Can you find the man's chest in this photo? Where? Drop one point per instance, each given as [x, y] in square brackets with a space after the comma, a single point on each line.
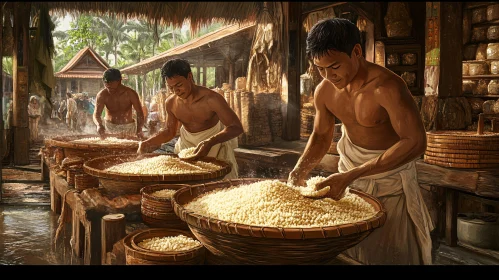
[360, 109]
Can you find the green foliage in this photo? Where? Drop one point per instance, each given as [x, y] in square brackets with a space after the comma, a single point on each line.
[7, 64]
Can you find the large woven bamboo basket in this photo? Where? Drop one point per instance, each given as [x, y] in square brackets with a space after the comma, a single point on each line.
[136, 255]
[233, 243]
[119, 183]
[158, 211]
[462, 149]
[89, 151]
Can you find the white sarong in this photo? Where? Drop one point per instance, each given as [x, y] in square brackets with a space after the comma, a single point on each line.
[222, 151]
[405, 236]
[127, 129]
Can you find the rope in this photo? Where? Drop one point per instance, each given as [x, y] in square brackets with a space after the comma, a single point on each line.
[63, 217]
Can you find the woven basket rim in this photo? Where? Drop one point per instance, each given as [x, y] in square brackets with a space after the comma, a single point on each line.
[461, 133]
[156, 231]
[63, 142]
[219, 226]
[147, 191]
[90, 168]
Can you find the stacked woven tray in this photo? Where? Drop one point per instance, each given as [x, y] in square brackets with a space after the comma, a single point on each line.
[158, 211]
[462, 149]
[234, 243]
[89, 151]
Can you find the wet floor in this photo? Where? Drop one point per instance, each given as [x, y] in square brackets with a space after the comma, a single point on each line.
[27, 237]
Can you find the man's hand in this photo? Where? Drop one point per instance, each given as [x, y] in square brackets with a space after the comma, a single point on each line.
[143, 148]
[140, 135]
[202, 150]
[338, 182]
[101, 131]
[295, 180]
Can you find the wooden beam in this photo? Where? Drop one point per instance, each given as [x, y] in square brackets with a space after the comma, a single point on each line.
[451, 31]
[291, 71]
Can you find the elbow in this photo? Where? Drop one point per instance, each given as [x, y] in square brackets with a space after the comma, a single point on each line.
[419, 146]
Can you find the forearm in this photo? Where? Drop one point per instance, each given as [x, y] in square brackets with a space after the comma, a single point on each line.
[399, 154]
[316, 148]
[157, 140]
[140, 123]
[98, 120]
[226, 134]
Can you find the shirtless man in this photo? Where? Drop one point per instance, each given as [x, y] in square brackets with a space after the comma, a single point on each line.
[118, 101]
[208, 123]
[383, 135]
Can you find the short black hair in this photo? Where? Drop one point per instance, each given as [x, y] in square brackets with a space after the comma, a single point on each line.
[336, 34]
[175, 67]
[111, 75]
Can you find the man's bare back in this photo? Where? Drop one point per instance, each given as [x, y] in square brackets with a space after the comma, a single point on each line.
[367, 122]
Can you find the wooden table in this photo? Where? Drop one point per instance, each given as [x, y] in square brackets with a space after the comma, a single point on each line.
[86, 209]
[479, 183]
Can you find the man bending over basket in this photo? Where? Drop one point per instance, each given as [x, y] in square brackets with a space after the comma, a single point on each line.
[383, 135]
[208, 123]
[118, 100]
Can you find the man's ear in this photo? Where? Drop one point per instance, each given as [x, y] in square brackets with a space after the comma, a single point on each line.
[189, 77]
[357, 50]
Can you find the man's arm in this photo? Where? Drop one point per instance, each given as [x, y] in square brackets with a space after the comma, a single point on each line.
[97, 117]
[395, 97]
[134, 98]
[320, 140]
[164, 135]
[227, 116]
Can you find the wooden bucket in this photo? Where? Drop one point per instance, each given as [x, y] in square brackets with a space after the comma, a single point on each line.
[120, 183]
[71, 173]
[136, 255]
[158, 211]
[462, 149]
[234, 243]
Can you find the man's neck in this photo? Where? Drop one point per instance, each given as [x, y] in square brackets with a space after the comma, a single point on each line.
[359, 79]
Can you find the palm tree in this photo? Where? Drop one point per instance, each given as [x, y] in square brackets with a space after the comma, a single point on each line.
[115, 30]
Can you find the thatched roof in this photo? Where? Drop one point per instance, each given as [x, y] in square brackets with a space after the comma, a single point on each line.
[77, 68]
[164, 13]
[156, 61]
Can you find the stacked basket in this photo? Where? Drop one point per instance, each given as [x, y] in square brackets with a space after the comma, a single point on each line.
[462, 149]
[158, 211]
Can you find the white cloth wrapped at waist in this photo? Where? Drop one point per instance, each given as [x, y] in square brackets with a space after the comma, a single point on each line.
[405, 236]
[223, 151]
[127, 129]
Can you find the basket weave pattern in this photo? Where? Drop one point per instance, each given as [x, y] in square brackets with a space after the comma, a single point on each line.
[89, 151]
[138, 255]
[244, 244]
[158, 211]
[132, 183]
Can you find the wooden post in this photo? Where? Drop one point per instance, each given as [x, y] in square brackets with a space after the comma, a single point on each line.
[204, 75]
[77, 235]
[113, 229]
[451, 203]
[2, 130]
[231, 74]
[291, 71]
[20, 77]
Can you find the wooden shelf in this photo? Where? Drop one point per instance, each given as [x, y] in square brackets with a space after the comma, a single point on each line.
[478, 77]
[473, 5]
[485, 23]
[403, 67]
[481, 96]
